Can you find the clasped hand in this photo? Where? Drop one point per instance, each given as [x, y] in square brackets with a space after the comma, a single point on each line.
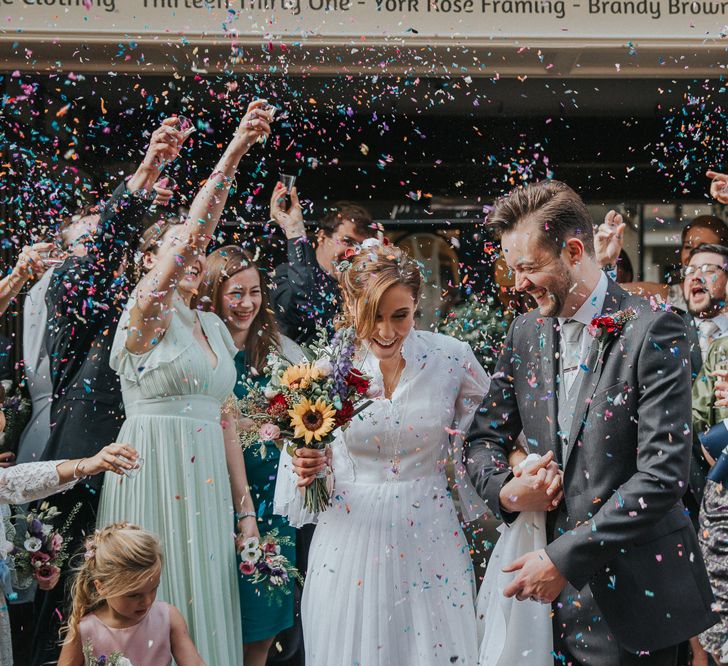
[538, 487]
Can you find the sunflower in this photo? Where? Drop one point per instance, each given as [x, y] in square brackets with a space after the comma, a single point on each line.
[300, 376]
[312, 419]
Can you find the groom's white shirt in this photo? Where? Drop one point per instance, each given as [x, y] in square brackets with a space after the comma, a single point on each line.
[592, 307]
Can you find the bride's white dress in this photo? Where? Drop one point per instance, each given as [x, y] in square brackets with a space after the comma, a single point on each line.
[516, 633]
[390, 579]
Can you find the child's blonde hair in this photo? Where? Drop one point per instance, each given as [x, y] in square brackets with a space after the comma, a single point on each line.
[121, 557]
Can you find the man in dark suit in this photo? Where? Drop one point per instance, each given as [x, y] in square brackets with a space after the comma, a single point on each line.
[611, 402]
[84, 300]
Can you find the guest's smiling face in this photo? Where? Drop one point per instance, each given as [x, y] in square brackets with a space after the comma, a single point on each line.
[241, 298]
[539, 272]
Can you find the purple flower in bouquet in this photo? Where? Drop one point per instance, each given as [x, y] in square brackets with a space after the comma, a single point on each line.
[342, 360]
[36, 528]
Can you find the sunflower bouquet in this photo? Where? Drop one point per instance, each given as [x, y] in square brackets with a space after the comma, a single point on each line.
[305, 403]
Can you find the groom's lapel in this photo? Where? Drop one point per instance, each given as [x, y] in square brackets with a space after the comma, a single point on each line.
[595, 364]
[549, 369]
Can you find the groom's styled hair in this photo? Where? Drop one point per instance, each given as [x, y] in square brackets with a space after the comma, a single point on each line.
[558, 210]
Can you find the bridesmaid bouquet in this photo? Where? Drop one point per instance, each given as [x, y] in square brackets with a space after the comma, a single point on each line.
[261, 559]
[114, 659]
[39, 551]
[305, 403]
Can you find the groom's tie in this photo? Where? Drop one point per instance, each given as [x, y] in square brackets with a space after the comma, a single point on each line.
[569, 371]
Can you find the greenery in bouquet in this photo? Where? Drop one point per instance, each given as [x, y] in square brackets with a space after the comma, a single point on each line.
[482, 322]
[113, 659]
[305, 403]
[38, 551]
[262, 560]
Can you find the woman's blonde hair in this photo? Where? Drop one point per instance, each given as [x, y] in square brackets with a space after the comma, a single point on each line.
[122, 558]
[371, 271]
[223, 264]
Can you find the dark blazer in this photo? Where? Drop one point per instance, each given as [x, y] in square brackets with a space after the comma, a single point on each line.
[621, 527]
[85, 298]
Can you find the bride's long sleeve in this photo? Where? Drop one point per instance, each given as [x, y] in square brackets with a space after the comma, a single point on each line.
[30, 481]
[473, 387]
[288, 498]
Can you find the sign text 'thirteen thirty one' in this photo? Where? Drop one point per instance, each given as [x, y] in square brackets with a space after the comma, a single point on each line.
[620, 19]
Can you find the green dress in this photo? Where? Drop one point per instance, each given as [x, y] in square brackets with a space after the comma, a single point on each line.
[262, 616]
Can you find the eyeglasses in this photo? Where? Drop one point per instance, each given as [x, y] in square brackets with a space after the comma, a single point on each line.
[704, 269]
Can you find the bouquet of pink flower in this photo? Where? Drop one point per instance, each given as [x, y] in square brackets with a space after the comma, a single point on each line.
[39, 550]
[261, 559]
[305, 403]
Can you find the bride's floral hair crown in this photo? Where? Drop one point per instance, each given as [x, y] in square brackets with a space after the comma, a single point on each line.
[368, 271]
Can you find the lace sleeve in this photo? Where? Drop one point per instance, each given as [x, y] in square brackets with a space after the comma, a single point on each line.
[30, 481]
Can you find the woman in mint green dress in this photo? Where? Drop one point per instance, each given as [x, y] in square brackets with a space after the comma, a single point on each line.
[177, 371]
[233, 289]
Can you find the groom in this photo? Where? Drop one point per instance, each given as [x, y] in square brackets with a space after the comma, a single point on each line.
[611, 403]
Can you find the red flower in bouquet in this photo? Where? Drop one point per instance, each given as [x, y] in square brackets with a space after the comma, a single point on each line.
[357, 381]
[38, 559]
[277, 406]
[345, 414]
[247, 568]
[47, 576]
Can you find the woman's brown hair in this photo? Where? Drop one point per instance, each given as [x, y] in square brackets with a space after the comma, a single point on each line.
[371, 272]
[221, 265]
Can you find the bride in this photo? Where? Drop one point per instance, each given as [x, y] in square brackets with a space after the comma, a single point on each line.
[390, 579]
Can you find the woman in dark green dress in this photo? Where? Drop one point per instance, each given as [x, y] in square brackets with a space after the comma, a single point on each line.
[233, 288]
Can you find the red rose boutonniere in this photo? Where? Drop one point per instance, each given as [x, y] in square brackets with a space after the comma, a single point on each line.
[610, 325]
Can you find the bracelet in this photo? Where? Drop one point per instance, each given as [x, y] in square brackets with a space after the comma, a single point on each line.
[226, 180]
[245, 514]
[75, 470]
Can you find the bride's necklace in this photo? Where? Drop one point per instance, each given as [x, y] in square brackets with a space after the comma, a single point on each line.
[389, 390]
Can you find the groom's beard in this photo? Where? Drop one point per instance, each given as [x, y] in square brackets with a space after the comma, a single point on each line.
[558, 292]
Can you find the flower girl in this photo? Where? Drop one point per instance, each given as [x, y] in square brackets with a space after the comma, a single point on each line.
[116, 619]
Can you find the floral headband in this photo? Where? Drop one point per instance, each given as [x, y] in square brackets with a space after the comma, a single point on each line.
[368, 244]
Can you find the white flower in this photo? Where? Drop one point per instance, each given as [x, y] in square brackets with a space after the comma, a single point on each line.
[371, 242]
[46, 529]
[323, 365]
[32, 544]
[123, 661]
[276, 580]
[270, 392]
[251, 550]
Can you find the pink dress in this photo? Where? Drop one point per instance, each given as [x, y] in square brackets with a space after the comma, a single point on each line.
[144, 644]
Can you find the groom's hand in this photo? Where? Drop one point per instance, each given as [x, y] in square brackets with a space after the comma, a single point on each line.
[537, 578]
[536, 488]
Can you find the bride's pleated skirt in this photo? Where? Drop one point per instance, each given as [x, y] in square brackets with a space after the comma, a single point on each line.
[390, 580]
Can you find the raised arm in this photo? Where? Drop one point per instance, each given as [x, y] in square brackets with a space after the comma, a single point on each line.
[151, 313]
[30, 265]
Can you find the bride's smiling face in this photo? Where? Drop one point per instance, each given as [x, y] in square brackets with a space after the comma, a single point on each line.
[394, 320]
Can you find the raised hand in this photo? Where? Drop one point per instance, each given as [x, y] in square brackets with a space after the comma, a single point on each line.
[164, 191]
[535, 488]
[718, 186]
[609, 239]
[164, 146]
[290, 220]
[254, 125]
[30, 263]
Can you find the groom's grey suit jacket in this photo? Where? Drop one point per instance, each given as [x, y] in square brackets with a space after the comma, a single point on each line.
[621, 527]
